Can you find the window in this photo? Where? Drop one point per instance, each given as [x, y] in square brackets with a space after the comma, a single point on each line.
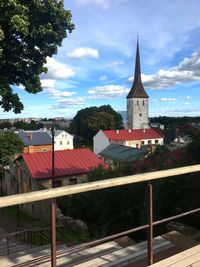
[149, 141]
[137, 103]
[142, 142]
[61, 143]
[29, 183]
[156, 141]
[43, 149]
[72, 181]
[140, 114]
[143, 102]
[57, 183]
[67, 142]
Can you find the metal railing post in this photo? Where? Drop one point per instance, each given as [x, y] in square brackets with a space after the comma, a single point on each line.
[53, 209]
[7, 242]
[150, 223]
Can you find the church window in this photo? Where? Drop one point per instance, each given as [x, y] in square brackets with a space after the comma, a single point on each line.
[137, 103]
[140, 114]
[143, 102]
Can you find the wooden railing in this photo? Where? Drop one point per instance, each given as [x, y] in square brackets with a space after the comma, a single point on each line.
[102, 184]
[81, 188]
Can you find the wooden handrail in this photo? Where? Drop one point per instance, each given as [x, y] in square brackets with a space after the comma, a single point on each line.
[97, 185]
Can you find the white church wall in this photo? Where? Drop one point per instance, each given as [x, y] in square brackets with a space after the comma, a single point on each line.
[137, 113]
[100, 141]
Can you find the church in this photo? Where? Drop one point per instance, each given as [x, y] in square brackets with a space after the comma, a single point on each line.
[138, 132]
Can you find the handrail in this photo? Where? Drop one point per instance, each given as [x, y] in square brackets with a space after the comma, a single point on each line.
[28, 230]
[97, 185]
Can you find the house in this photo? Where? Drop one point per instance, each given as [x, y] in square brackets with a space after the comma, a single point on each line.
[138, 132]
[71, 166]
[63, 140]
[133, 138]
[157, 125]
[181, 141]
[115, 154]
[30, 172]
[35, 141]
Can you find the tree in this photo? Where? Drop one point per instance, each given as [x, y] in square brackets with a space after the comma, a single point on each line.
[10, 145]
[30, 31]
[89, 121]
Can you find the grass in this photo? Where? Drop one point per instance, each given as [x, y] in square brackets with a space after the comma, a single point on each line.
[27, 222]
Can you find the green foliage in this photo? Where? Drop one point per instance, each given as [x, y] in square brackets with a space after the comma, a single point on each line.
[106, 211]
[174, 121]
[113, 210]
[29, 32]
[89, 121]
[33, 125]
[10, 144]
[5, 125]
[193, 151]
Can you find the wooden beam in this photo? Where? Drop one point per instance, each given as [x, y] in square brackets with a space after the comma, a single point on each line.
[85, 187]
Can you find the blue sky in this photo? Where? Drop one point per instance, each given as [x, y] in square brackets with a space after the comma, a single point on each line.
[95, 64]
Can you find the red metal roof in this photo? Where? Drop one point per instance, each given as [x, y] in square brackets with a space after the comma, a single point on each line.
[67, 162]
[136, 134]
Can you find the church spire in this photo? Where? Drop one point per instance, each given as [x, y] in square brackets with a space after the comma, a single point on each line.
[137, 90]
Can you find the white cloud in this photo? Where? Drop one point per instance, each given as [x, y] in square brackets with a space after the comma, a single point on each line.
[57, 70]
[83, 52]
[167, 99]
[114, 64]
[188, 97]
[103, 78]
[164, 99]
[48, 86]
[102, 3]
[107, 91]
[47, 83]
[188, 70]
[69, 103]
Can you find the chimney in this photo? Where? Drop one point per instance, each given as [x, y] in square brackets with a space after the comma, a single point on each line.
[30, 149]
[117, 131]
[129, 130]
[144, 130]
[30, 135]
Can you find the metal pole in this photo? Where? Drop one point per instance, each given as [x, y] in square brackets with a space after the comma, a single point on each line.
[150, 228]
[53, 209]
[18, 211]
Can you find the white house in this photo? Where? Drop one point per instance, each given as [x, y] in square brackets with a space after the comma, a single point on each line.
[133, 138]
[63, 140]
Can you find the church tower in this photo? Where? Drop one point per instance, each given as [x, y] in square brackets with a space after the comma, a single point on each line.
[137, 100]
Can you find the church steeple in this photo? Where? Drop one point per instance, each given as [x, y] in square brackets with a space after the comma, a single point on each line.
[137, 89]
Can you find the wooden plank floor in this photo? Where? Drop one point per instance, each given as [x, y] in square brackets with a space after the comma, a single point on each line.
[187, 258]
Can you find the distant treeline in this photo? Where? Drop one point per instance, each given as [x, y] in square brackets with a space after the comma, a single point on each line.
[175, 121]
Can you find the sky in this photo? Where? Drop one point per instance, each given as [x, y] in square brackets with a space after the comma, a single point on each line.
[95, 64]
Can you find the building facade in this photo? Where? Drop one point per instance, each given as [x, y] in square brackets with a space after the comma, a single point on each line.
[137, 138]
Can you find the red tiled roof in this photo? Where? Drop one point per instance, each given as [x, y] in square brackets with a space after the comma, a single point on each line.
[67, 162]
[136, 134]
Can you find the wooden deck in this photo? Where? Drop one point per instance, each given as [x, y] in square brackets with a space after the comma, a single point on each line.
[187, 258]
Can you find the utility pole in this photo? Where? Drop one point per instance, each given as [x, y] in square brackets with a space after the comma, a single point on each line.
[53, 207]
